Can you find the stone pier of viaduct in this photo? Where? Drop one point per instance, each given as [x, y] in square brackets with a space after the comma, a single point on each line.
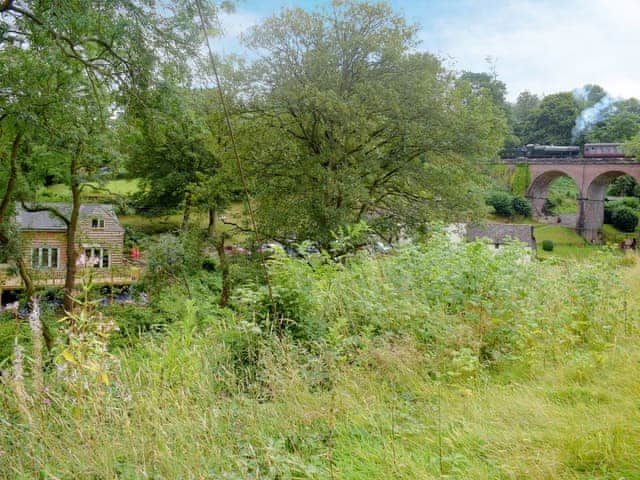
[592, 176]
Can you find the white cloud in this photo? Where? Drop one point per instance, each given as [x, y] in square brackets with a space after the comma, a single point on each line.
[545, 46]
[233, 25]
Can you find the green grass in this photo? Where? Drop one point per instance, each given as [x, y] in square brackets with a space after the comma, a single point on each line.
[169, 223]
[446, 362]
[61, 192]
[613, 235]
[567, 243]
[564, 192]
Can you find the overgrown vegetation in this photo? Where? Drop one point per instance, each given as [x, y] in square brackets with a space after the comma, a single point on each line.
[244, 352]
[379, 368]
[507, 205]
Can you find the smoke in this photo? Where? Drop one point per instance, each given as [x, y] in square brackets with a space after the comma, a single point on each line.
[592, 115]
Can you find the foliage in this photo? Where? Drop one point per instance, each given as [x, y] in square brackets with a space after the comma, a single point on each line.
[625, 219]
[609, 208]
[520, 180]
[172, 150]
[83, 360]
[502, 203]
[549, 206]
[408, 346]
[347, 239]
[522, 117]
[553, 120]
[360, 141]
[624, 186]
[547, 245]
[618, 127]
[521, 206]
[172, 259]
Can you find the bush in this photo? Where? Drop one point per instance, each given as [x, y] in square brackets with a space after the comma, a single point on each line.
[549, 206]
[502, 203]
[625, 219]
[631, 202]
[547, 245]
[609, 208]
[521, 206]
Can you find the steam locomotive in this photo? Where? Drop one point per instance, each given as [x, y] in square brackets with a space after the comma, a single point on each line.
[591, 150]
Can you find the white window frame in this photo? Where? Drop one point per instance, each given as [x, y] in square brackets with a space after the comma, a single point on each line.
[102, 252]
[99, 223]
[49, 256]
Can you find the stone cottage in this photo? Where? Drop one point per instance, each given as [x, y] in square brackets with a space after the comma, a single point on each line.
[44, 236]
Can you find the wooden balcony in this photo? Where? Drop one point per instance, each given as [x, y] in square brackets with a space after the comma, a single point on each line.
[115, 275]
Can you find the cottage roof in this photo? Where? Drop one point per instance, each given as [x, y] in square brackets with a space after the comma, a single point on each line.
[45, 220]
[499, 233]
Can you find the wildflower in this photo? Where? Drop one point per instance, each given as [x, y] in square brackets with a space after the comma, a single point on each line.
[34, 318]
[18, 376]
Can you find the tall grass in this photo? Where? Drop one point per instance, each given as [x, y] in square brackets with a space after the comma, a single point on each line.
[438, 362]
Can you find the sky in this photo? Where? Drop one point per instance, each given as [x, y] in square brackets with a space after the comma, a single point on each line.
[543, 46]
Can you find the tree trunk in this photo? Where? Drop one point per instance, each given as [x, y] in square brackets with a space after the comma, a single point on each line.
[72, 254]
[224, 270]
[211, 228]
[4, 210]
[13, 179]
[29, 288]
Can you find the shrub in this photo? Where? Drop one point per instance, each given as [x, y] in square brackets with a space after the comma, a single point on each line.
[625, 219]
[521, 206]
[609, 208]
[547, 245]
[502, 203]
[549, 206]
[631, 202]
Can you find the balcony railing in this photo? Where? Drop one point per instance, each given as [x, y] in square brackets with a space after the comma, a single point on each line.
[115, 275]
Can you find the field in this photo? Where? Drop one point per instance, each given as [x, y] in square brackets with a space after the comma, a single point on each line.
[435, 362]
[111, 189]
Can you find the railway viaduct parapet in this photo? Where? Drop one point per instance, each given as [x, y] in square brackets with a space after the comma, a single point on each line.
[592, 177]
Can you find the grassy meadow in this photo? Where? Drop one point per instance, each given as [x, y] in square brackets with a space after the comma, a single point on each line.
[437, 361]
[434, 362]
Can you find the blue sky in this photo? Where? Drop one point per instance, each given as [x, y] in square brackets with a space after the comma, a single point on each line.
[543, 46]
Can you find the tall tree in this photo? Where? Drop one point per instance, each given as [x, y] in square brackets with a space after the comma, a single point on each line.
[348, 122]
[618, 127]
[172, 149]
[552, 122]
[108, 52]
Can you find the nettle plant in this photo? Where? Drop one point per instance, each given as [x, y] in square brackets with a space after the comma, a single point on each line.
[83, 360]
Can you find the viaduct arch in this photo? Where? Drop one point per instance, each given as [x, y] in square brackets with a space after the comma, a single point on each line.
[592, 177]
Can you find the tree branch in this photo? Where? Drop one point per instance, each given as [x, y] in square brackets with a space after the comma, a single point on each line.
[44, 208]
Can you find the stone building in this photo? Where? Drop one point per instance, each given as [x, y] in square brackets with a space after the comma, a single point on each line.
[501, 233]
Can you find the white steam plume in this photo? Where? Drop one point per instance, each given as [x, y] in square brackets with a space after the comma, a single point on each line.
[592, 115]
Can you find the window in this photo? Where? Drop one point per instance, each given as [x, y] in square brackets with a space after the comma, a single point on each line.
[44, 257]
[99, 256]
[97, 223]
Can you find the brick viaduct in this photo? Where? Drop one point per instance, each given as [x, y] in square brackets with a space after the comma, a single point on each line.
[592, 177]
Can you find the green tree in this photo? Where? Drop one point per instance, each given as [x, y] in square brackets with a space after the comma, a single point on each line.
[487, 84]
[171, 149]
[349, 123]
[619, 127]
[522, 116]
[553, 120]
[93, 56]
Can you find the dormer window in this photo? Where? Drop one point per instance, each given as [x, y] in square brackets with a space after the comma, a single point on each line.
[97, 223]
